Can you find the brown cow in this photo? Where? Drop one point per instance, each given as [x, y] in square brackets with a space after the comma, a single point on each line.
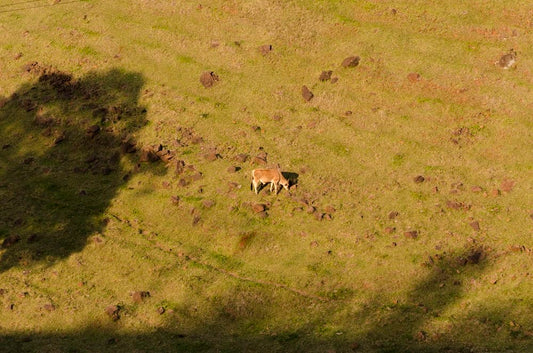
[265, 176]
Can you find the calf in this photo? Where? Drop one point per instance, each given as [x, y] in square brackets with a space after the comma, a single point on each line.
[265, 176]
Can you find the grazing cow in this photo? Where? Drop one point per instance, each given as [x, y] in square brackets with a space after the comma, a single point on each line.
[265, 176]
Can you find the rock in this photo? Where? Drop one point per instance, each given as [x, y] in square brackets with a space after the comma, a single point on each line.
[10, 241]
[259, 161]
[390, 230]
[393, 214]
[161, 310]
[233, 169]
[508, 60]
[507, 185]
[60, 138]
[49, 307]
[351, 61]
[325, 75]
[93, 130]
[211, 156]
[208, 79]
[412, 234]
[139, 296]
[413, 77]
[148, 154]
[419, 179]
[258, 207]
[265, 49]
[175, 200]
[476, 189]
[128, 146]
[495, 192]
[329, 209]
[113, 311]
[195, 220]
[319, 216]
[313, 244]
[241, 157]
[475, 226]
[307, 94]
[256, 128]
[208, 203]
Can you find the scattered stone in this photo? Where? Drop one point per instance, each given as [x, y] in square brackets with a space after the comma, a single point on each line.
[457, 205]
[139, 296]
[390, 230]
[196, 176]
[259, 160]
[310, 209]
[334, 80]
[208, 203]
[233, 169]
[419, 179]
[328, 217]
[148, 154]
[195, 220]
[313, 244]
[307, 94]
[113, 311]
[325, 75]
[495, 192]
[259, 207]
[319, 216]
[265, 49]
[241, 157]
[92, 131]
[59, 138]
[161, 310]
[208, 79]
[166, 185]
[256, 128]
[393, 214]
[10, 241]
[276, 117]
[507, 185]
[351, 61]
[211, 156]
[128, 146]
[330, 209]
[476, 189]
[421, 336]
[508, 60]
[412, 234]
[475, 226]
[49, 307]
[517, 248]
[413, 77]
[183, 182]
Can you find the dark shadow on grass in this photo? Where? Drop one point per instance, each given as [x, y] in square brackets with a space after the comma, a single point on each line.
[239, 322]
[60, 160]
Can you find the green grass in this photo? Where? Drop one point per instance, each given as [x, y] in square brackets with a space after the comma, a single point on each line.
[95, 224]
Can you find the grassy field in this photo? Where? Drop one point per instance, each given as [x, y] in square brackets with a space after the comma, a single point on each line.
[127, 223]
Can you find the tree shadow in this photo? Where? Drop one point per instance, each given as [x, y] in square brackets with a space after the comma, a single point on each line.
[63, 140]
